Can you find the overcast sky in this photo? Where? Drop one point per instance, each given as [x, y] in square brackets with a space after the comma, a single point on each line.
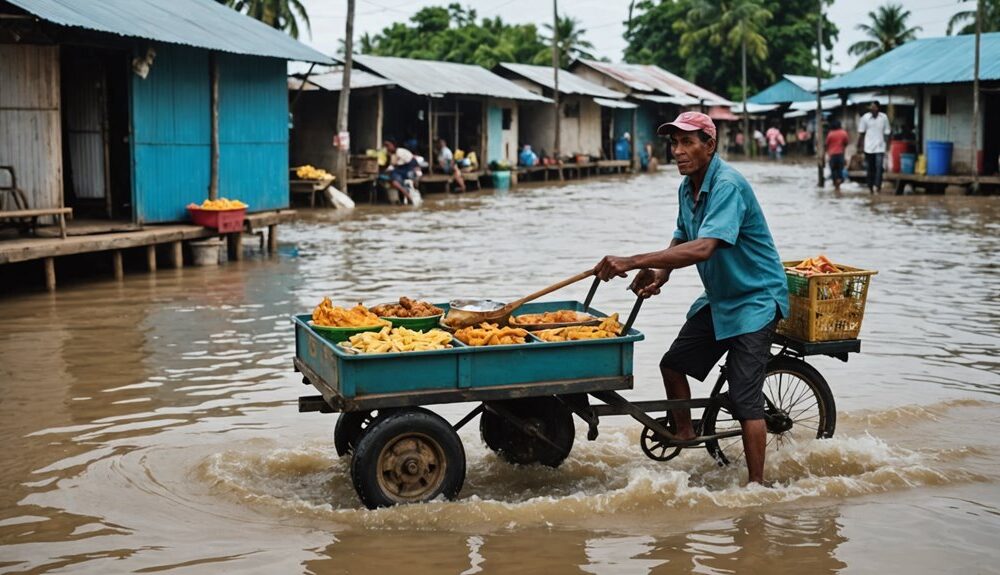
[602, 19]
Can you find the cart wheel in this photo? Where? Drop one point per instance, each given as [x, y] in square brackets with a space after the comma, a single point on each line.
[407, 456]
[657, 447]
[350, 426]
[800, 406]
[547, 415]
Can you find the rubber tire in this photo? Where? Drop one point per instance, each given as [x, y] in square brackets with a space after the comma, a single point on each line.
[365, 463]
[349, 428]
[514, 446]
[807, 373]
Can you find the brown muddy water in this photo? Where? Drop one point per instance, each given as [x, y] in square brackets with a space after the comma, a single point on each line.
[151, 426]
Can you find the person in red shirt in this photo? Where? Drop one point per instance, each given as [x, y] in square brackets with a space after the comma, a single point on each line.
[836, 145]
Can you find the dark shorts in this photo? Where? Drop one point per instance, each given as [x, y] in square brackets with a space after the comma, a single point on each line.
[837, 166]
[696, 351]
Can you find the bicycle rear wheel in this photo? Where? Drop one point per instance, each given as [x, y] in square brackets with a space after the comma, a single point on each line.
[799, 406]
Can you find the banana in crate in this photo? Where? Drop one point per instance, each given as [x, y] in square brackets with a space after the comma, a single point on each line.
[398, 340]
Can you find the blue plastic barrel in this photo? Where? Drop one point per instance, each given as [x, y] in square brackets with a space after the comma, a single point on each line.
[938, 158]
[623, 149]
[501, 180]
[907, 162]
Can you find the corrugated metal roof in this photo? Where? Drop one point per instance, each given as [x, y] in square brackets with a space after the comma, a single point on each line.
[568, 83]
[807, 83]
[782, 92]
[614, 103]
[334, 80]
[199, 23]
[679, 100]
[431, 78]
[650, 78]
[947, 60]
[753, 108]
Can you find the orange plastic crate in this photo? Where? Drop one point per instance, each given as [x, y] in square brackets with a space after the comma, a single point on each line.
[225, 221]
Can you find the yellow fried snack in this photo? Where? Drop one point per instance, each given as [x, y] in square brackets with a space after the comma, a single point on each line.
[308, 172]
[561, 316]
[609, 328]
[490, 334]
[219, 204]
[406, 308]
[398, 340]
[328, 315]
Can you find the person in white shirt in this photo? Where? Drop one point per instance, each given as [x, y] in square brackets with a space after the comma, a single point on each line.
[446, 160]
[872, 132]
[402, 167]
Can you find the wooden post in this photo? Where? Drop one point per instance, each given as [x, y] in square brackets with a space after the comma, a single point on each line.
[380, 112]
[213, 185]
[345, 98]
[151, 257]
[975, 101]
[50, 274]
[555, 79]
[820, 142]
[177, 254]
[234, 242]
[117, 265]
[430, 135]
[635, 136]
[272, 238]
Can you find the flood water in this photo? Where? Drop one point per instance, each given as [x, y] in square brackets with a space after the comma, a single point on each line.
[152, 426]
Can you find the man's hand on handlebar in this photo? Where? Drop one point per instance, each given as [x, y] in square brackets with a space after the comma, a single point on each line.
[611, 266]
[647, 282]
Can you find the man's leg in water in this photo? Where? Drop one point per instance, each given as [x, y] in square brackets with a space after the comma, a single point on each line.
[677, 387]
[754, 443]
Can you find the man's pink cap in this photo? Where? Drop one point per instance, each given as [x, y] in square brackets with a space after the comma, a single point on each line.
[689, 122]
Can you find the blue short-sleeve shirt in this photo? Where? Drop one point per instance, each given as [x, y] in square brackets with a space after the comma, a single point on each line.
[744, 279]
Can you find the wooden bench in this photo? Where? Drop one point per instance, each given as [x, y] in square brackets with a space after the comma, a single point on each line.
[34, 214]
[449, 180]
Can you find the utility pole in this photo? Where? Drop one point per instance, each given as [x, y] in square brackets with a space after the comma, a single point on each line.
[818, 134]
[343, 143]
[975, 100]
[746, 115]
[555, 74]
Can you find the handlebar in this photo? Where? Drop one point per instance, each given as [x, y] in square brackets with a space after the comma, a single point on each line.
[631, 316]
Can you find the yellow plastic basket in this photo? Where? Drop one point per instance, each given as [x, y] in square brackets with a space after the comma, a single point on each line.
[825, 307]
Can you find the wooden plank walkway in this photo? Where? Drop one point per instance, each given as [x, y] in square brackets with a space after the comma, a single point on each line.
[48, 249]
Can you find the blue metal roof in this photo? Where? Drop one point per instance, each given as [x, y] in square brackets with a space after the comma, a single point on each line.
[199, 23]
[782, 92]
[947, 60]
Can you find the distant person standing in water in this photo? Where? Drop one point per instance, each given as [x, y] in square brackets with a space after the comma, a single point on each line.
[836, 145]
[775, 142]
[872, 132]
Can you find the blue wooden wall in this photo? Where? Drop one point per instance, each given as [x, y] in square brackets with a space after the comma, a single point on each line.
[171, 127]
[253, 131]
[494, 133]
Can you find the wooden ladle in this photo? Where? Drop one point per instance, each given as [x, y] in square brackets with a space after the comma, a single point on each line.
[459, 318]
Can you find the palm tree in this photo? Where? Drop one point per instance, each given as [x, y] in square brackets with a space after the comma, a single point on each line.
[967, 19]
[571, 42]
[887, 31]
[733, 25]
[280, 14]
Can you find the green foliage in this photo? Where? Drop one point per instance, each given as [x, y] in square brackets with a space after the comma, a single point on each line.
[280, 14]
[701, 40]
[453, 34]
[570, 41]
[964, 22]
[886, 31]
